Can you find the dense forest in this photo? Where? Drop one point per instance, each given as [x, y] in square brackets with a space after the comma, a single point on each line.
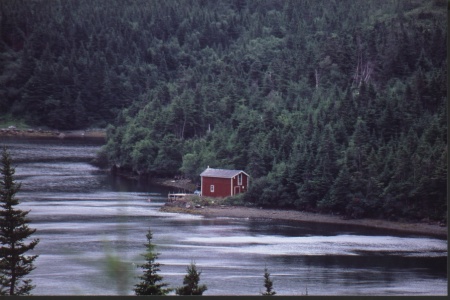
[335, 106]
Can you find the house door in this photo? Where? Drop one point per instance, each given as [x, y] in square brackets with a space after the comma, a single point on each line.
[237, 190]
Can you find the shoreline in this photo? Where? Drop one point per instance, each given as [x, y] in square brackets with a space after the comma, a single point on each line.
[423, 228]
[427, 229]
[61, 134]
[433, 229]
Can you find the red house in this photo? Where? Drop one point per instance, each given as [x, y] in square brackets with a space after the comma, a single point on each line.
[223, 183]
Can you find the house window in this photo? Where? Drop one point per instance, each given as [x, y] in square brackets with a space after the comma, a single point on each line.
[211, 188]
[240, 179]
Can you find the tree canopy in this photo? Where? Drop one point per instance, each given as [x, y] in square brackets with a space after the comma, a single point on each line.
[331, 106]
[190, 281]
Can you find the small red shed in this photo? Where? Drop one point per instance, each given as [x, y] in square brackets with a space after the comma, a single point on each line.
[223, 183]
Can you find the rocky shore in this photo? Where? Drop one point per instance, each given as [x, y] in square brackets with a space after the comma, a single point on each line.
[427, 228]
[12, 131]
[422, 228]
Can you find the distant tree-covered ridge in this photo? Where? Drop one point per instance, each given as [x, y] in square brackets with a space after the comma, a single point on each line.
[331, 106]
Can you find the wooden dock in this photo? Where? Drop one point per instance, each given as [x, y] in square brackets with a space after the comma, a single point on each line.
[177, 197]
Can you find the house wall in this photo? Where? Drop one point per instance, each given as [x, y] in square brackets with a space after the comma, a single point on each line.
[222, 187]
[242, 187]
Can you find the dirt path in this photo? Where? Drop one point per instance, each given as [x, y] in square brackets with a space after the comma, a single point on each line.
[291, 215]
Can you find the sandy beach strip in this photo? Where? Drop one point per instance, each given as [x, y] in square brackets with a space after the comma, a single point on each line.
[422, 228]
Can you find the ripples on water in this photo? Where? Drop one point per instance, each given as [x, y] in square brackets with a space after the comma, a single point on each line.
[82, 214]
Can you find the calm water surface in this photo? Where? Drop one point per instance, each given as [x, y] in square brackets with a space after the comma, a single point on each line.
[84, 217]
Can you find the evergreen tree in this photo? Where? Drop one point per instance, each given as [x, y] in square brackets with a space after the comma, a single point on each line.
[245, 79]
[14, 265]
[268, 284]
[340, 193]
[190, 282]
[151, 283]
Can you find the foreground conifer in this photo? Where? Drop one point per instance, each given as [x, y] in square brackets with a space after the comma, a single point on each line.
[268, 284]
[14, 265]
[190, 282]
[151, 283]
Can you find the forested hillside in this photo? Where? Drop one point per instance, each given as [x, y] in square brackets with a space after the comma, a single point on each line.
[332, 106]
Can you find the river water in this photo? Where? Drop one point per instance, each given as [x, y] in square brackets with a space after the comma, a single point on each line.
[88, 222]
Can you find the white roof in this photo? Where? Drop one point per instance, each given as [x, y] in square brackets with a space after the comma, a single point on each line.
[221, 173]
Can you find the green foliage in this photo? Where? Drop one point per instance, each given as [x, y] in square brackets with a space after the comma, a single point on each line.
[8, 120]
[14, 235]
[119, 271]
[190, 282]
[296, 93]
[237, 200]
[151, 282]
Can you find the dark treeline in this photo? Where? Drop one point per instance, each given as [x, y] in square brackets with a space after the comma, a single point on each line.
[330, 106]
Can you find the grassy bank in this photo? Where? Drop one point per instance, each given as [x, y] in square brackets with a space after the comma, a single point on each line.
[7, 121]
[11, 126]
